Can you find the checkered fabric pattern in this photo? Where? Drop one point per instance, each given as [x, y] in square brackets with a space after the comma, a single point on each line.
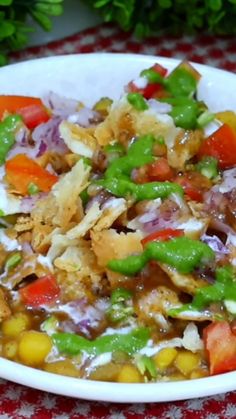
[206, 49]
[19, 402]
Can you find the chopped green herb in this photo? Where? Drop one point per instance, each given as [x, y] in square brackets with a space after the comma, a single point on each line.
[33, 189]
[205, 118]
[208, 167]
[121, 305]
[114, 148]
[137, 101]
[152, 76]
[13, 261]
[145, 365]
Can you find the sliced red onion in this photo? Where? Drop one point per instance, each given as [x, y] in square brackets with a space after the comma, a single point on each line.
[159, 107]
[22, 136]
[47, 138]
[214, 202]
[26, 248]
[167, 216]
[84, 117]
[28, 203]
[28, 150]
[60, 106]
[42, 148]
[147, 217]
[229, 181]
[231, 239]
[82, 327]
[84, 317]
[215, 244]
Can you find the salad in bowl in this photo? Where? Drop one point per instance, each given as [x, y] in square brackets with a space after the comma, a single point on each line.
[118, 233]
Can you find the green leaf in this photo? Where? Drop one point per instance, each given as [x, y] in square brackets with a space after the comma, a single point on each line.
[42, 20]
[165, 4]
[50, 9]
[5, 2]
[101, 3]
[7, 29]
[215, 5]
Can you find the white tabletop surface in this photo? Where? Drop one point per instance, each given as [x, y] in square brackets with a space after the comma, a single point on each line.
[76, 17]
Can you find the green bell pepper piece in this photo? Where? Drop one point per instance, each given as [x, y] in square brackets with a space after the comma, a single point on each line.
[208, 167]
[8, 128]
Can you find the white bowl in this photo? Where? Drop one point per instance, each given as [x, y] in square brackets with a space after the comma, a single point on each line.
[88, 77]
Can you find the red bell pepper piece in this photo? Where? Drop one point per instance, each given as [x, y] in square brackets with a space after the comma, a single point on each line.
[193, 191]
[152, 89]
[221, 145]
[160, 170]
[30, 108]
[21, 171]
[34, 115]
[43, 290]
[220, 345]
[162, 235]
[159, 69]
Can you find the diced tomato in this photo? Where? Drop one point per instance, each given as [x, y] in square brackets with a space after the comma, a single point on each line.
[43, 290]
[11, 103]
[159, 69]
[33, 115]
[160, 170]
[21, 171]
[31, 109]
[152, 89]
[148, 92]
[220, 345]
[221, 145]
[140, 175]
[192, 187]
[162, 235]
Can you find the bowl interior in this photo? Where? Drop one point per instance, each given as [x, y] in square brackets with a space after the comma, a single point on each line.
[89, 77]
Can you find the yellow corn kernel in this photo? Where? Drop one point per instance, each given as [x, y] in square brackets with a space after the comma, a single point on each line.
[34, 347]
[227, 117]
[165, 358]
[65, 367]
[103, 105]
[10, 349]
[15, 324]
[200, 373]
[107, 372]
[129, 374]
[186, 362]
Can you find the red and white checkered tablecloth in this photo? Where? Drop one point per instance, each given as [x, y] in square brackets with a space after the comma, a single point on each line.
[206, 49]
[19, 402]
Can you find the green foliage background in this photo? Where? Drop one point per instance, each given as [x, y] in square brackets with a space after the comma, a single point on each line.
[147, 17]
[144, 17]
[13, 26]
